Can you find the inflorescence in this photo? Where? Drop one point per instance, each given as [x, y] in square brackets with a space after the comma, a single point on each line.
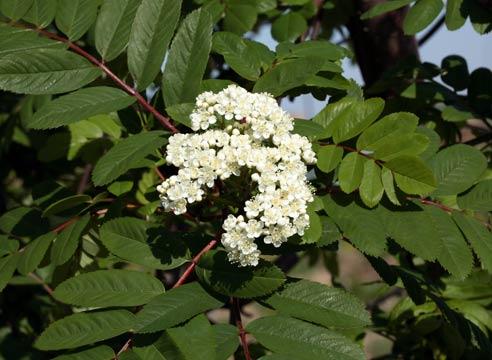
[242, 130]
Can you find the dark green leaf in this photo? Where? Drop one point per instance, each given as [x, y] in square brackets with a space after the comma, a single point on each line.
[181, 113]
[289, 27]
[288, 74]
[8, 246]
[23, 221]
[215, 270]
[454, 14]
[125, 155]
[41, 13]
[478, 236]
[320, 304]
[314, 231]
[114, 25]
[477, 198]
[371, 187]
[85, 328]
[421, 15]
[302, 341]
[102, 352]
[14, 40]
[188, 59]
[312, 48]
[174, 307]
[385, 7]
[120, 187]
[412, 175]
[226, 340]
[455, 72]
[68, 240]
[329, 156]
[80, 105]
[7, 268]
[239, 17]
[351, 171]
[106, 288]
[34, 252]
[150, 35]
[15, 9]
[66, 204]
[45, 72]
[75, 17]
[457, 168]
[133, 240]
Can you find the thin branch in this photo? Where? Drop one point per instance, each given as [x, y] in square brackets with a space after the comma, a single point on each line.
[431, 31]
[84, 180]
[236, 312]
[65, 224]
[480, 139]
[123, 348]
[194, 261]
[165, 121]
[45, 286]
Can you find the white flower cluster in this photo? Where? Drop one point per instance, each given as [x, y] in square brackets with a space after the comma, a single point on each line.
[250, 131]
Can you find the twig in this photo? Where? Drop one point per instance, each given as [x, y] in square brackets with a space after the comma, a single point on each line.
[65, 224]
[45, 286]
[84, 179]
[236, 311]
[194, 261]
[123, 348]
[165, 121]
[431, 31]
[479, 139]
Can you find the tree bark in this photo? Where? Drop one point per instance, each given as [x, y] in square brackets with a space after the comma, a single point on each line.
[379, 43]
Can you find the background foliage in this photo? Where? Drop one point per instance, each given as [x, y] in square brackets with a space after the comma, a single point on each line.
[91, 267]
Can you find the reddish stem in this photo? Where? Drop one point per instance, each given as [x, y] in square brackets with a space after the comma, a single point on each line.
[165, 121]
[236, 309]
[434, 203]
[64, 225]
[194, 261]
[45, 286]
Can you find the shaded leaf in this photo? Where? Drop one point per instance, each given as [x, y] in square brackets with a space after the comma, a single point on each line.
[15, 9]
[41, 13]
[74, 17]
[7, 268]
[226, 340]
[34, 252]
[102, 352]
[385, 7]
[239, 17]
[65, 204]
[478, 197]
[289, 27]
[68, 240]
[412, 175]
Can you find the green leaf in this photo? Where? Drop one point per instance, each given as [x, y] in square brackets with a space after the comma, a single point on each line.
[452, 114]
[309, 129]
[404, 145]
[7, 245]
[239, 17]
[455, 72]
[75, 17]
[7, 268]
[194, 340]
[174, 307]
[13, 40]
[391, 126]
[68, 240]
[80, 105]
[244, 56]
[23, 221]
[301, 340]
[412, 175]
[421, 15]
[352, 122]
[288, 74]
[314, 231]
[389, 185]
[226, 340]
[289, 27]
[45, 72]
[15, 9]
[312, 48]
[120, 187]
[454, 16]
[133, 240]
[363, 227]
[125, 155]
[329, 115]
[215, 271]
[150, 35]
[457, 168]
[478, 198]
[320, 304]
[41, 13]
[34, 252]
[385, 7]
[454, 254]
[371, 188]
[351, 171]
[181, 113]
[113, 26]
[478, 236]
[102, 352]
[329, 156]
[85, 328]
[108, 288]
[330, 233]
[188, 59]
[66, 204]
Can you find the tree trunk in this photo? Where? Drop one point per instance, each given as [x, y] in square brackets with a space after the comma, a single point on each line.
[379, 43]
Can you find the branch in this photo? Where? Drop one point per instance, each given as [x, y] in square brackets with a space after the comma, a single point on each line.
[431, 31]
[236, 312]
[45, 286]
[479, 139]
[165, 121]
[194, 261]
